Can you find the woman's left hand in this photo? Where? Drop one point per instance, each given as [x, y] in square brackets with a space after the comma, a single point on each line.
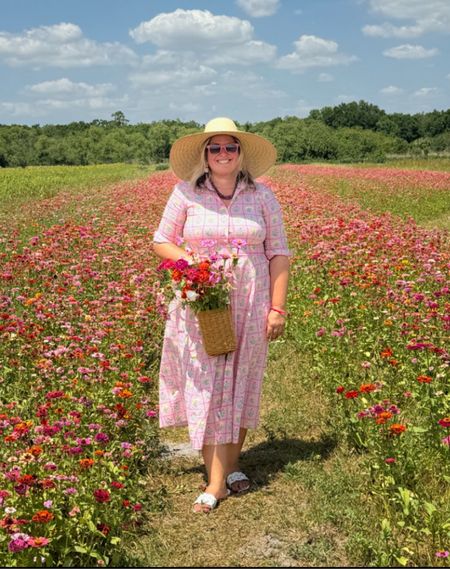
[275, 325]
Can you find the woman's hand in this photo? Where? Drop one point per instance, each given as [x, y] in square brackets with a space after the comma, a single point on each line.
[275, 325]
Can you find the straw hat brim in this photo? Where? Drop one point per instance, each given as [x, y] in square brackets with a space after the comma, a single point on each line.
[260, 154]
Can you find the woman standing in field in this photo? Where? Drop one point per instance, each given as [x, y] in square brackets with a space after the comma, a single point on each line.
[218, 397]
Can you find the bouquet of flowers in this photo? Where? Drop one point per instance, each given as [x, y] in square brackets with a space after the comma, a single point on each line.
[203, 283]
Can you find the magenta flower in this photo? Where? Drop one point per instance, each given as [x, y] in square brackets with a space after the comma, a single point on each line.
[442, 553]
[19, 542]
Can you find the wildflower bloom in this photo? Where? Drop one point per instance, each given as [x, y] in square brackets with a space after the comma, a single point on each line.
[445, 422]
[442, 553]
[397, 428]
[38, 541]
[42, 517]
[367, 387]
[390, 460]
[352, 394]
[102, 496]
[424, 379]
[340, 389]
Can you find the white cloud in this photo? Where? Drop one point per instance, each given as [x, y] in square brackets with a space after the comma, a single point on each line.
[408, 51]
[391, 90]
[47, 107]
[430, 16]
[346, 98]
[325, 77]
[388, 31]
[60, 45]
[426, 92]
[65, 87]
[259, 8]
[195, 30]
[181, 76]
[312, 51]
[190, 36]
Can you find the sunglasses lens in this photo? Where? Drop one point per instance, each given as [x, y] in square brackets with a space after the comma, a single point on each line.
[216, 148]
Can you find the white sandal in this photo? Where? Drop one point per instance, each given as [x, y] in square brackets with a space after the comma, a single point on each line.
[238, 477]
[209, 500]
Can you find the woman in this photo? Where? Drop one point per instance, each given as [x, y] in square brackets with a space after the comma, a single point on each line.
[218, 397]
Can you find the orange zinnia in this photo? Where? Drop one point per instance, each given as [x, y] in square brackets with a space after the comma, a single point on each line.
[43, 516]
[397, 429]
[383, 417]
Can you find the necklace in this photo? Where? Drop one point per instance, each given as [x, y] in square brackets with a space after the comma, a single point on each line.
[220, 193]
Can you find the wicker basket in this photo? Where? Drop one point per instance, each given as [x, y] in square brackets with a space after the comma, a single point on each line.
[217, 331]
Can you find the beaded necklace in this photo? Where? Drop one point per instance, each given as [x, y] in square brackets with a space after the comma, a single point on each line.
[220, 193]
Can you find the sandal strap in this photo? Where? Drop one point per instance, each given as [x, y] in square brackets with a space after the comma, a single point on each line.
[236, 477]
[207, 499]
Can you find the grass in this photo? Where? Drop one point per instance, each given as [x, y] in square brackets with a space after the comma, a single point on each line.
[20, 185]
[306, 507]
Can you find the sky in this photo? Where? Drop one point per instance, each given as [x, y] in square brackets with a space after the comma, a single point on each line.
[250, 60]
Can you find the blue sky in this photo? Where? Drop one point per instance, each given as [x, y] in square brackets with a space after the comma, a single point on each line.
[252, 60]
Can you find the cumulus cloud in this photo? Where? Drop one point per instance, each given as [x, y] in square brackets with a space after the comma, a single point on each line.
[429, 16]
[391, 90]
[61, 45]
[312, 51]
[259, 8]
[184, 37]
[426, 92]
[193, 30]
[408, 51]
[66, 87]
[181, 76]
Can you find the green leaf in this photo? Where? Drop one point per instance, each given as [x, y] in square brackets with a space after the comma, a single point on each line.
[402, 560]
[80, 549]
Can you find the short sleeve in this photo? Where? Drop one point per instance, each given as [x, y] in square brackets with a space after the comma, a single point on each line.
[275, 242]
[171, 226]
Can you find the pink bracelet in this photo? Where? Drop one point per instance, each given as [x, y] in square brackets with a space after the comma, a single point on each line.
[282, 312]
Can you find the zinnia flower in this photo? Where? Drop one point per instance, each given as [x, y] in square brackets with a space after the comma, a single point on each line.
[102, 496]
[397, 429]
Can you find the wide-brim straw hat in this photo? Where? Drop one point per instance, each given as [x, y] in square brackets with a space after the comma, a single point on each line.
[185, 154]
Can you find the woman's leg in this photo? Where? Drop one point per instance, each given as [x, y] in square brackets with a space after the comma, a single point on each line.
[235, 453]
[216, 458]
[221, 460]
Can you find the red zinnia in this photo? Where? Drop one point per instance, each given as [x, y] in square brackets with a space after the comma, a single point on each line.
[445, 422]
[352, 394]
[424, 379]
[102, 495]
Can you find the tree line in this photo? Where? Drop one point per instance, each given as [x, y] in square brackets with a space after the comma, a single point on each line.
[349, 132]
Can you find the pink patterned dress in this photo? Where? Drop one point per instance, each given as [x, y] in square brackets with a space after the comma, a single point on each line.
[217, 395]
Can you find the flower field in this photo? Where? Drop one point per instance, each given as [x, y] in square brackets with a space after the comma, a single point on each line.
[81, 335]
[370, 302]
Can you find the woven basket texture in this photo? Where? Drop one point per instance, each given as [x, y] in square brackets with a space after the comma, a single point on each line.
[217, 331]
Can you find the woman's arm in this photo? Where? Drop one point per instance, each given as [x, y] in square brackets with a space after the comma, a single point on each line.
[170, 251]
[279, 277]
